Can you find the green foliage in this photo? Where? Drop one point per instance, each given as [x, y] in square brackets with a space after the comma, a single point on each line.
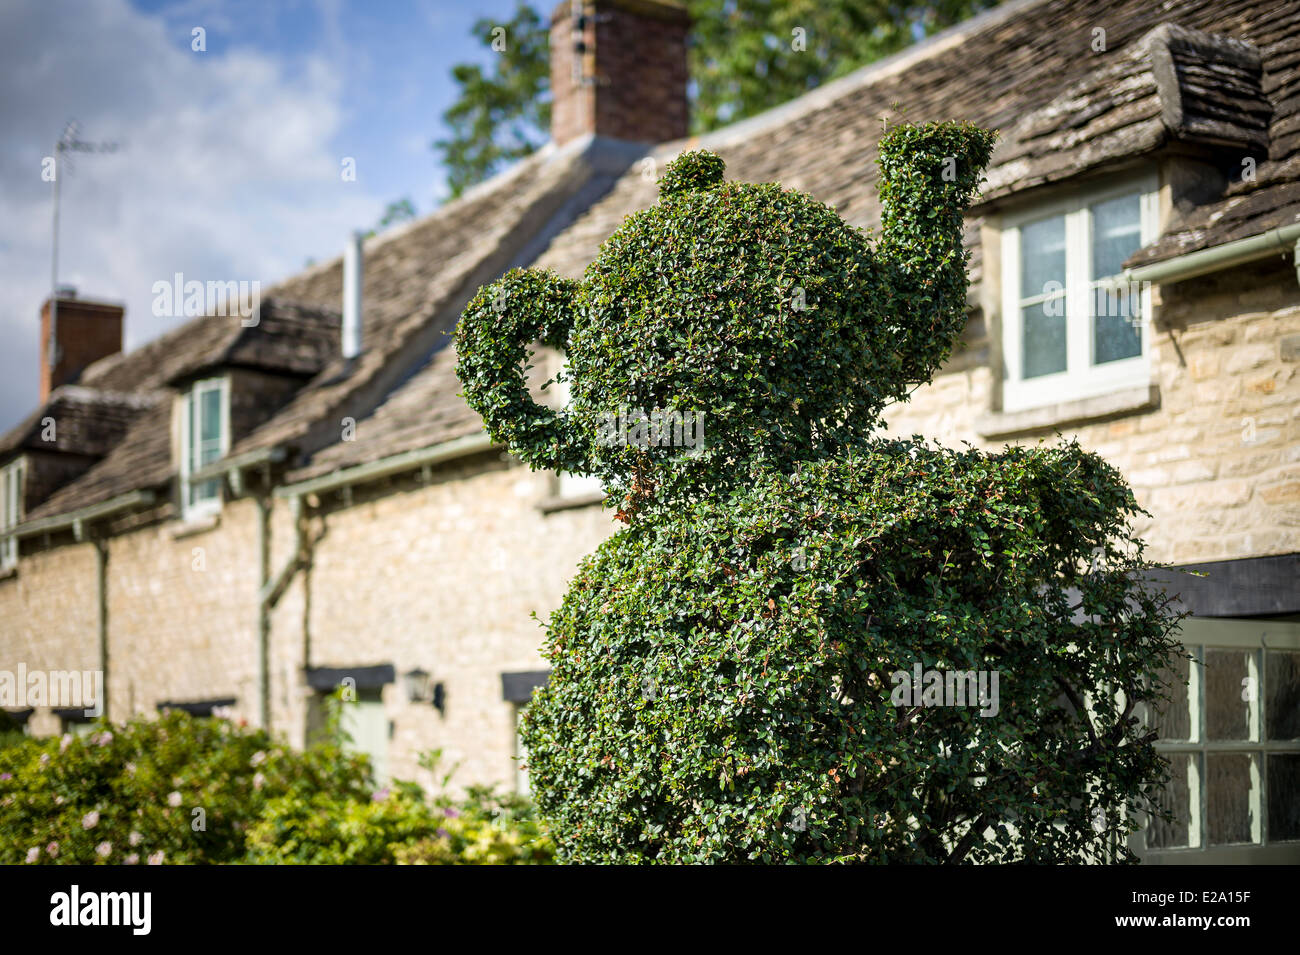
[395, 213]
[747, 56]
[128, 794]
[135, 787]
[485, 828]
[743, 58]
[722, 688]
[724, 668]
[401, 825]
[754, 308]
[502, 115]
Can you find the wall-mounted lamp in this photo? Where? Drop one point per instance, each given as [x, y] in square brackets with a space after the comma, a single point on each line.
[420, 688]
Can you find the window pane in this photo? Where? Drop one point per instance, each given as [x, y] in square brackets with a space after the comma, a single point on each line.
[1044, 338]
[1227, 798]
[192, 437]
[1116, 326]
[1227, 715]
[1042, 256]
[1173, 721]
[1177, 798]
[1116, 234]
[1283, 798]
[211, 409]
[1282, 679]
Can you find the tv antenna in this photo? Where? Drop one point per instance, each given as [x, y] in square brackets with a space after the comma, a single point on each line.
[66, 144]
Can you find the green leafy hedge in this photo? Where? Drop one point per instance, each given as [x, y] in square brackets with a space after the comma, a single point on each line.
[722, 690]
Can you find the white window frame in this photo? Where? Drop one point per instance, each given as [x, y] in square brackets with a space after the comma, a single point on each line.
[196, 509]
[13, 480]
[1255, 637]
[1081, 378]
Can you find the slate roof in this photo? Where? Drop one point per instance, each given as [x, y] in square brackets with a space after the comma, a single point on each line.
[88, 421]
[1175, 85]
[1197, 73]
[131, 394]
[1171, 71]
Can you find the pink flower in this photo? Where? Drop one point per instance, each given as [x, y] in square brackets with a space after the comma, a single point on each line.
[379, 795]
[104, 738]
[4, 776]
[90, 819]
[258, 780]
[132, 859]
[173, 798]
[33, 854]
[258, 759]
[53, 850]
[104, 849]
[64, 742]
[45, 759]
[134, 838]
[156, 858]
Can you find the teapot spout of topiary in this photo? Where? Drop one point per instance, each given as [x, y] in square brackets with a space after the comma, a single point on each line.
[732, 326]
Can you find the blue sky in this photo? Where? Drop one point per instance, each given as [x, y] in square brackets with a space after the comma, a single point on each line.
[230, 159]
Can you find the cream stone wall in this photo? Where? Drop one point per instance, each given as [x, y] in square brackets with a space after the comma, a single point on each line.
[49, 618]
[444, 577]
[182, 613]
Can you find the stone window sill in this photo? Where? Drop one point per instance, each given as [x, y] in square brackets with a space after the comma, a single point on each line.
[1116, 404]
[197, 525]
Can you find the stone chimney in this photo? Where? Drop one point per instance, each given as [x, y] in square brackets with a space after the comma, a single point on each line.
[618, 69]
[84, 332]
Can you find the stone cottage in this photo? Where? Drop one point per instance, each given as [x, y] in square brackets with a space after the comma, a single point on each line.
[247, 513]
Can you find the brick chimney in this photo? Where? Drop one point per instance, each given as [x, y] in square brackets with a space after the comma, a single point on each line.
[85, 332]
[618, 69]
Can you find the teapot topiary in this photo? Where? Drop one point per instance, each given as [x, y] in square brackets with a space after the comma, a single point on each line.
[752, 311]
[726, 669]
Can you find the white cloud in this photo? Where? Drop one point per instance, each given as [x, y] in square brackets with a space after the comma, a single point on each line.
[227, 170]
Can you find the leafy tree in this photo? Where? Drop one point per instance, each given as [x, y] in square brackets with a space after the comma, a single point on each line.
[750, 55]
[501, 115]
[745, 57]
[401, 210]
[731, 672]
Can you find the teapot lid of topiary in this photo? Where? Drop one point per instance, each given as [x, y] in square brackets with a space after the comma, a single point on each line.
[699, 169]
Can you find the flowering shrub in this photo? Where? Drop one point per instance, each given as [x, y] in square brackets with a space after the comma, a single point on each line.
[175, 789]
[185, 790]
[483, 829]
[399, 825]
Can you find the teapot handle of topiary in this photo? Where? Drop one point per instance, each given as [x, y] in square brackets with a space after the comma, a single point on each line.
[496, 331]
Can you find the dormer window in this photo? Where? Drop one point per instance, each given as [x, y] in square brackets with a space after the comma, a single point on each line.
[205, 437]
[11, 510]
[1070, 328]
